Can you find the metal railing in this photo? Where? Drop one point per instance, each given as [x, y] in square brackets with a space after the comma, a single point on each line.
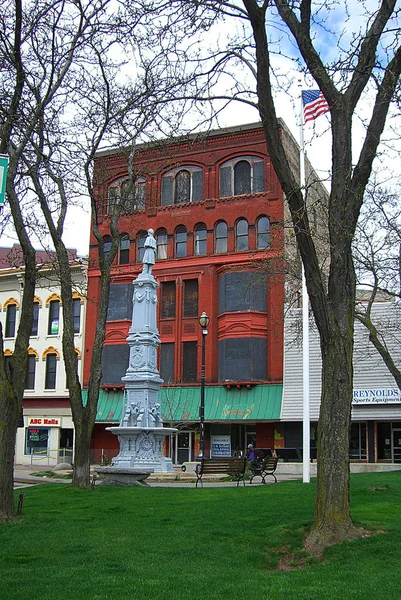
[47, 457]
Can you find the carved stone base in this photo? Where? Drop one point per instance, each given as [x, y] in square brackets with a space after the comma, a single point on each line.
[120, 477]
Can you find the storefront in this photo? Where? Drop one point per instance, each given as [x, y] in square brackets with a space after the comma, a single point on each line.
[47, 437]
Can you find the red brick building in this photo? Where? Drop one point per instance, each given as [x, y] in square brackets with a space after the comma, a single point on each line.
[217, 210]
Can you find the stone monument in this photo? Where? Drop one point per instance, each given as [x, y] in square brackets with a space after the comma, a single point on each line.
[141, 433]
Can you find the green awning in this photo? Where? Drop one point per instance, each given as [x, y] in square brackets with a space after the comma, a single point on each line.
[258, 403]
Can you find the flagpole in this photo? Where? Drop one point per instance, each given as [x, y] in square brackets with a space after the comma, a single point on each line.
[305, 314]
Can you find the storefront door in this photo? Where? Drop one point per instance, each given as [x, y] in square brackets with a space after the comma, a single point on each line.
[397, 445]
[183, 447]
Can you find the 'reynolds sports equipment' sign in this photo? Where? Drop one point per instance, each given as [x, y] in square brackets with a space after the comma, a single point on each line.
[377, 396]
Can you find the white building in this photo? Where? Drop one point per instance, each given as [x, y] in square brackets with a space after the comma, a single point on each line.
[376, 409]
[46, 437]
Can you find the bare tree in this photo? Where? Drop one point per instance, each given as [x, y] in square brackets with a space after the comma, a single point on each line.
[377, 255]
[363, 65]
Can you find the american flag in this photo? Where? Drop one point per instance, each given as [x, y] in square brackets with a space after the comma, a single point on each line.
[315, 104]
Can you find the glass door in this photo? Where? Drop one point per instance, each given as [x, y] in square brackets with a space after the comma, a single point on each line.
[183, 447]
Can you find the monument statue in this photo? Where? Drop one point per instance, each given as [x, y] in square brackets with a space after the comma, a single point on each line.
[141, 433]
[149, 256]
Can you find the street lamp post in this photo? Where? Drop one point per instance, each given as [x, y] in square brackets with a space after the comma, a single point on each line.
[203, 322]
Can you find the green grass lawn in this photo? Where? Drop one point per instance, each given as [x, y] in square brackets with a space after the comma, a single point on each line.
[176, 543]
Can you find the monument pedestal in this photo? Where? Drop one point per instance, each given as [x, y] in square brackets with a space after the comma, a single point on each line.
[121, 477]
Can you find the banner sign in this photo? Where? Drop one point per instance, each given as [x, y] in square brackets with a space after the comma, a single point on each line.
[3, 177]
[221, 445]
[377, 396]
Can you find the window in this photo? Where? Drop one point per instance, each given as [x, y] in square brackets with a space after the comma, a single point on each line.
[167, 362]
[76, 310]
[161, 243]
[51, 369]
[168, 300]
[140, 247]
[241, 239]
[123, 257]
[183, 184]
[220, 237]
[200, 239]
[11, 317]
[180, 241]
[106, 246]
[263, 233]
[35, 321]
[242, 178]
[54, 315]
[30, 372]
[37, 439]
[242, 175]
[189, 362]
[182, 188]
[132, 195]
[190, 304]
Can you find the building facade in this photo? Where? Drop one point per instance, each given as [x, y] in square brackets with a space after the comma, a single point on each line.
[217, 210]
[376, 409]
[46, 435]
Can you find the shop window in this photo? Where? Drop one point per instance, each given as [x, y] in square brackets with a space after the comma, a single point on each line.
[181, 241]
[37, 440]
[76, 310]
[200, 239]
[190, 305]
[35, 320]
[123, 255]
[183, 184]
[51, 370]
[130, 195]
[166, 367]
[189, 362]
[161, 244]
[242, 175]
[263, 233]
[220, 237]
[357, 449]
[168, 300]
[140, 245]
[54, 317]
[30, 372]
[241, 235]
[106, 246]
[11, 317]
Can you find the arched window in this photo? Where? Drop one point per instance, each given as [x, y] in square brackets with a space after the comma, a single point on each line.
[140, 245]
[106, 246]
[161, 241]
[242, 175]
[200, 239]
[220, 237]
[241, 235]
[130, 192]
[123, 256]
[263, 233]
[11, 319]
[182, 184]
[180, 241]
[182, 188]
[242, 178]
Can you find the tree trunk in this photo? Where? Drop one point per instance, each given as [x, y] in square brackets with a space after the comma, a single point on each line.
[9, 411]
[83, 434]
[332, 520]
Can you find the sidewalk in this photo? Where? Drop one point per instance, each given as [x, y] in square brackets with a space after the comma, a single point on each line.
[22, 475]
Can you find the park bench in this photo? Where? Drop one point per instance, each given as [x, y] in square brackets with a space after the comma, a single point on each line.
[263, 467]
[221, 466]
